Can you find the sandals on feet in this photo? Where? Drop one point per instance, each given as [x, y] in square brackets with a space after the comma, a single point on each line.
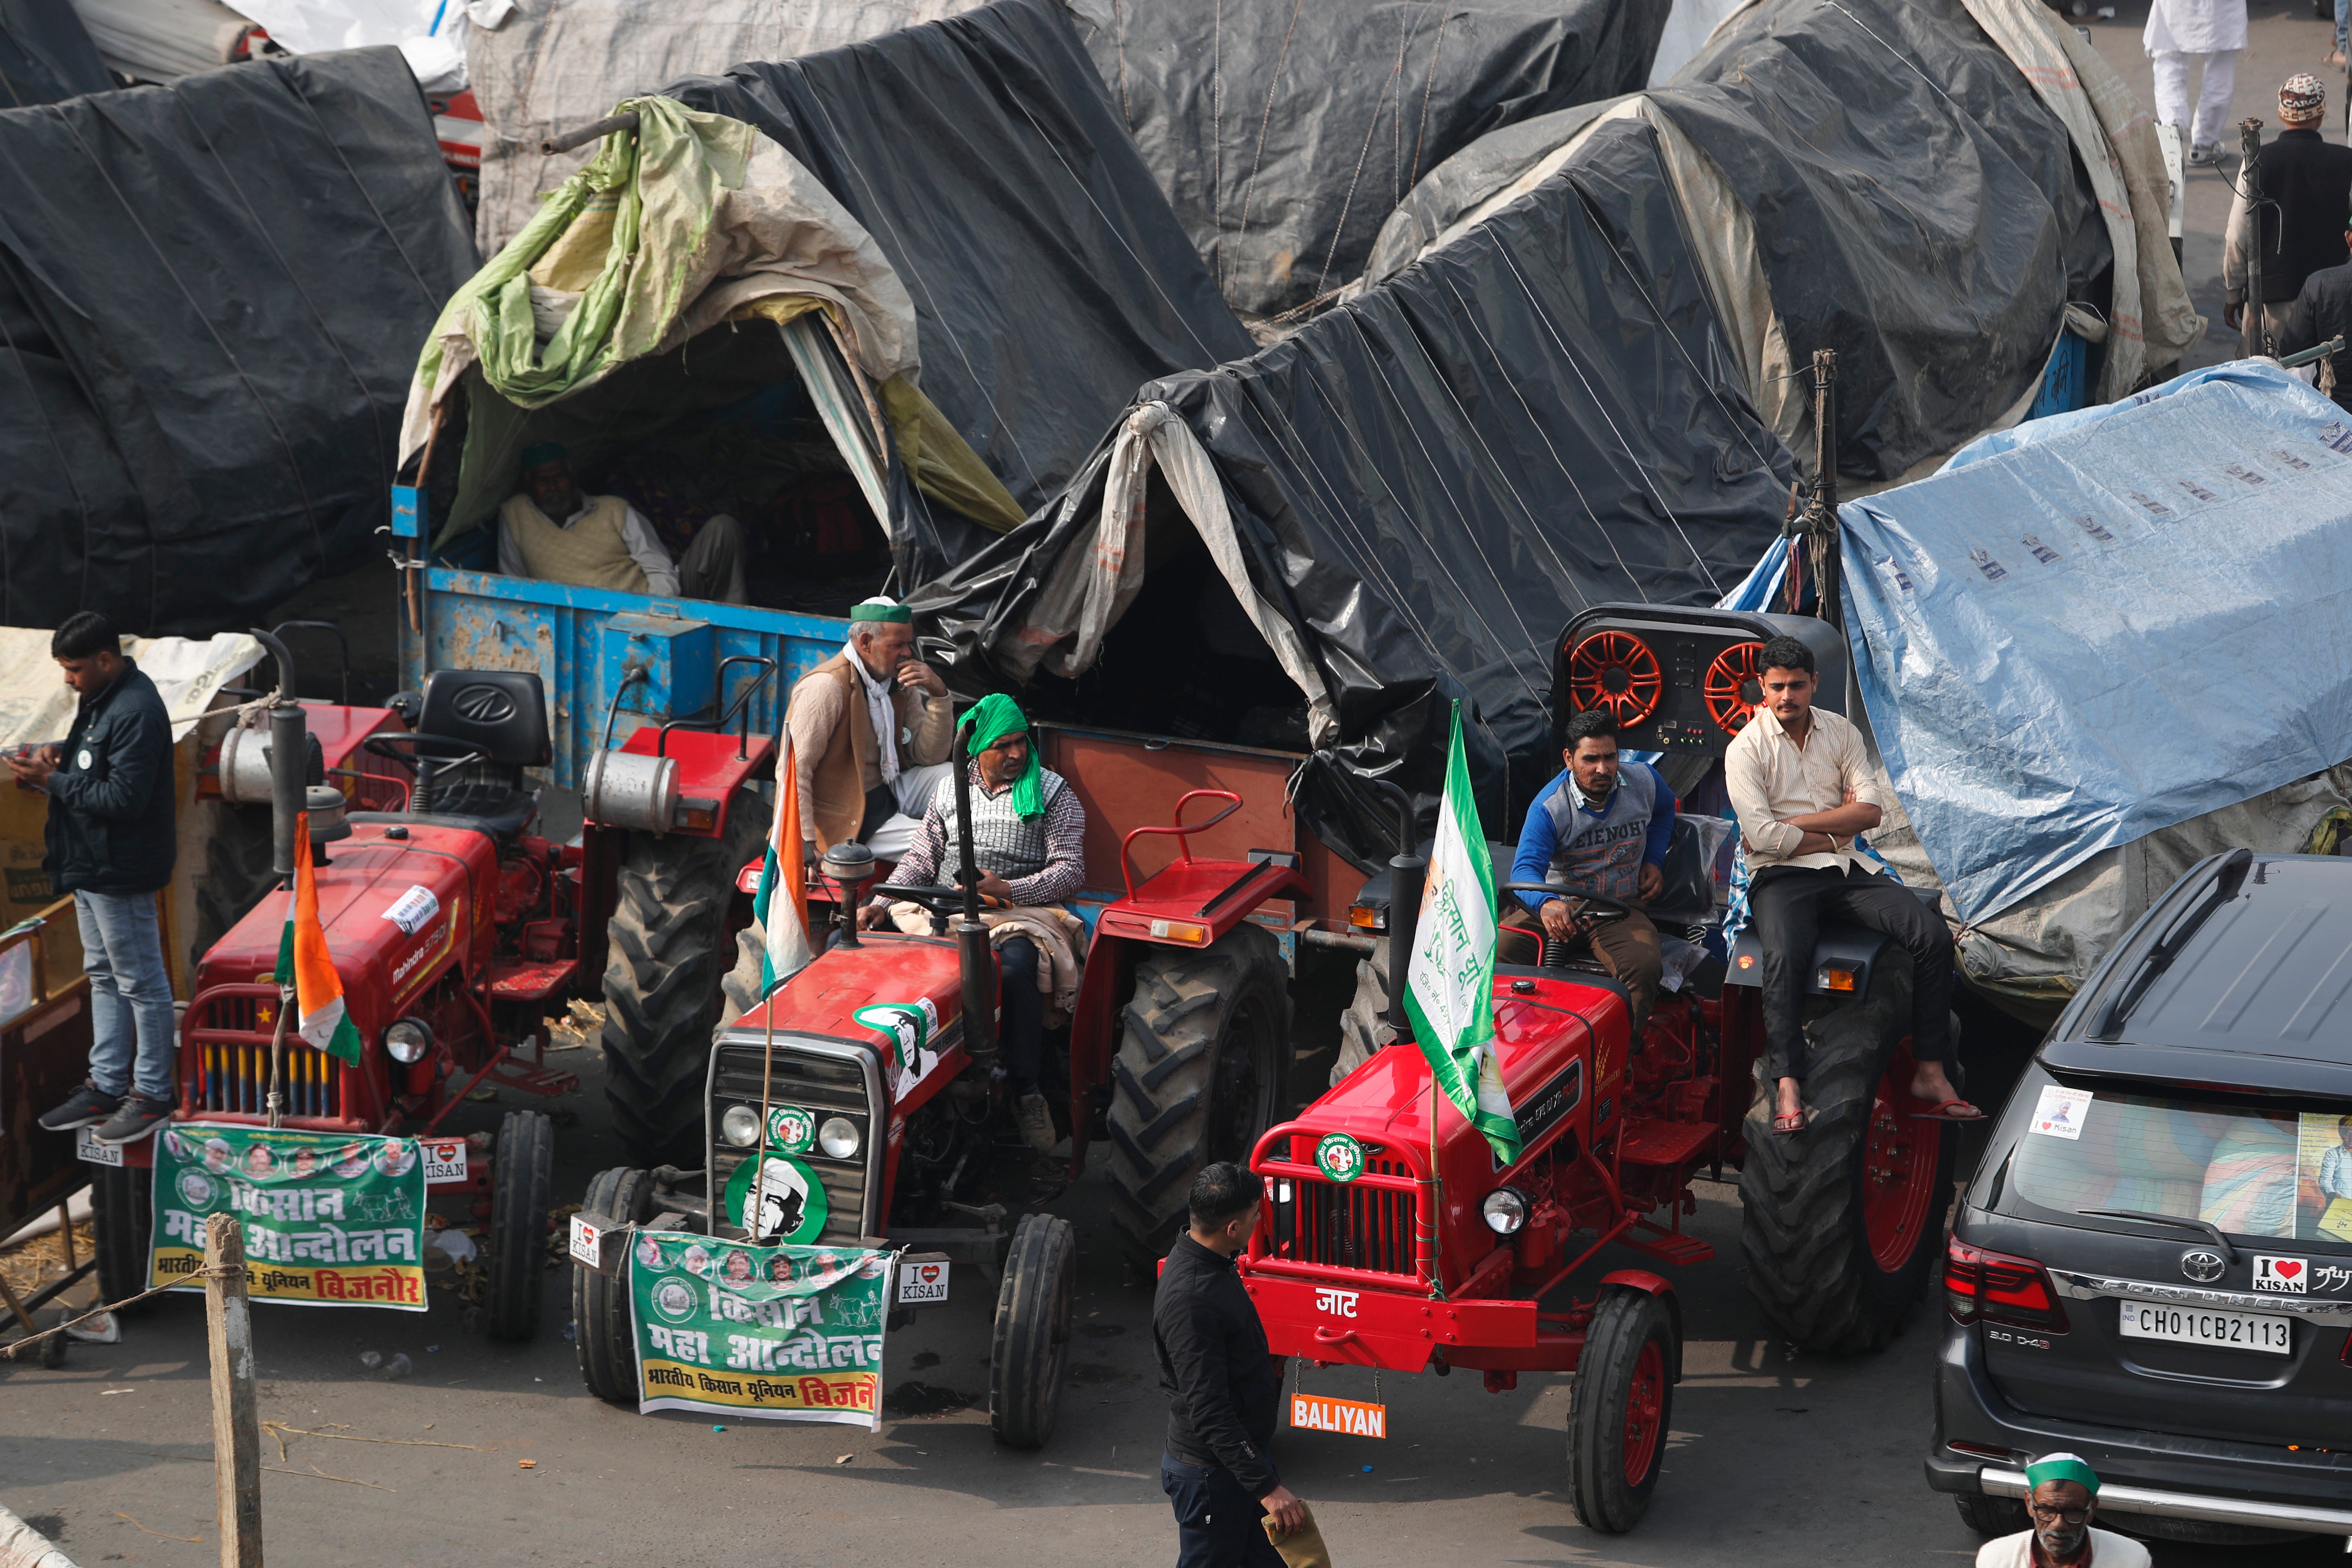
[1949, 1110]
[1788, 1124]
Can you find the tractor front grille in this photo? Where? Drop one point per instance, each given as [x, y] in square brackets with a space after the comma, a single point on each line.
[1348, 1227]
[228, 1041]
[824, 1084]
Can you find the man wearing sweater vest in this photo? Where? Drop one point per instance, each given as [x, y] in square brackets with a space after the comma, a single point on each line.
[870, 726]
[1602, 827]
[551, 531]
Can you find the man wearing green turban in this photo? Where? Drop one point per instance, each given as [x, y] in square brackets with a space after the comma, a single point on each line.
[1028, 841]
[2062, 1494]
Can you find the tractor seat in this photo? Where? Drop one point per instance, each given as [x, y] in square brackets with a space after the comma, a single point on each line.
[501, 715]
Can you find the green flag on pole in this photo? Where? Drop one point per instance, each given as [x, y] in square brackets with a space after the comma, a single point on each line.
[1449, 979]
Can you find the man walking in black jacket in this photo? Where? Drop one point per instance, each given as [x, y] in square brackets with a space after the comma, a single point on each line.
[1226, 1389]
[112, 841]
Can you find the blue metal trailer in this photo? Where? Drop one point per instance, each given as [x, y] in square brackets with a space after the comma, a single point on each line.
[584, 642]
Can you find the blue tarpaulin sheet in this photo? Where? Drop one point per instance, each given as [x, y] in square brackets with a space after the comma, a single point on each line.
[2104, 623]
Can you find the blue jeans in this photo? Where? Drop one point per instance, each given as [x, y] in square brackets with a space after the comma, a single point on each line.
[129, 995]
[2342, 23]
[1218, 1525]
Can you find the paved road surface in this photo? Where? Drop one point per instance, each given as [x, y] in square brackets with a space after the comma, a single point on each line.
[1776, 1458]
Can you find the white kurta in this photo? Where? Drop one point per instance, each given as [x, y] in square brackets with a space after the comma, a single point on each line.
[2195, 26]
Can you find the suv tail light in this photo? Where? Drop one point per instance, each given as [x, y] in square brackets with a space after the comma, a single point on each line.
[1997, 1289]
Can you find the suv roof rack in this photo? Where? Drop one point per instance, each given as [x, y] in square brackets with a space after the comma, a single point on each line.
[2227, 875]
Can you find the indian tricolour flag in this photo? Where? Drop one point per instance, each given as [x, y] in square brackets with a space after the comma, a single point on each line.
[1449, 980]
[304, 962]
[780, 904]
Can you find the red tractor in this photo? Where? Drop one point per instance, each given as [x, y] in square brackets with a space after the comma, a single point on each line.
[1385, 1246]
[1175, 1050]
[458, 934]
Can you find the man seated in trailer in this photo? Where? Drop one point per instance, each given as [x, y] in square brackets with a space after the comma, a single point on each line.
[550, 530]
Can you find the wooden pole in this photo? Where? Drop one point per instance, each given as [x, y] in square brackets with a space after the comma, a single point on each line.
[237, 1421]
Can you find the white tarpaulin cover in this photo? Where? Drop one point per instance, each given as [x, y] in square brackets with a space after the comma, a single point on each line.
[566, 62]
[35, 704]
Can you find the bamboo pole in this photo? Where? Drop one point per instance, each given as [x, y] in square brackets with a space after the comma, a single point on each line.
[236, 1420]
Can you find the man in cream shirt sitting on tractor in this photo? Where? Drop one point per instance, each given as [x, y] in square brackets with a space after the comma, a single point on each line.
[551, 531]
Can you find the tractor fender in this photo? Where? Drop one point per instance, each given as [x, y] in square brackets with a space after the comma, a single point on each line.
[1659, 1286]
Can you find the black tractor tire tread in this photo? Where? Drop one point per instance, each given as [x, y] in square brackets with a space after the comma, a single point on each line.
[600, 1304]
[1364, 1028]
[1164, 1075]
[1624, 1319]
[662, 980]
[1991, 1515]
[739, 993]
[1028, 1354]
[1806, 1258]
[521, 1188]
[237, 872]
[122, 1216]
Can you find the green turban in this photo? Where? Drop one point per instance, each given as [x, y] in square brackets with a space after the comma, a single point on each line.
[2062, 1467]
[539, 452]
[880, 609]
[991, 719]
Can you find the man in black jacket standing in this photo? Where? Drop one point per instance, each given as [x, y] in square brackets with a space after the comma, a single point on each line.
[112, 841]
[1226, 1389]
[2322, 312]
[2306, 182]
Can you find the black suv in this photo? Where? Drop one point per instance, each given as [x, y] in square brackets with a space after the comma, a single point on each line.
[2152, 1265]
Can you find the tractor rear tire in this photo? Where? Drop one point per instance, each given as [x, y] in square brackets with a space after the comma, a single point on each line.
[523, 1182]
[121, 1213]
[1991, 1515]
[1198, 1077]
[1364, 1028]
[1030, 1352]
[600, 1304]
[1842, 1224]
[1620, 1409]
[668, 956]
[237, 872]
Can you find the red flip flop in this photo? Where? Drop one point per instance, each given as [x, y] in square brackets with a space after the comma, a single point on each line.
[1788, 1125]
[1936, 1112]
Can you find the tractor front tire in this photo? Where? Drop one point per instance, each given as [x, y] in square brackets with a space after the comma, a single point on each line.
[1364, 1028]
[600, 1303]
[1198, 1077]
[1619, 1408]
[1841, 1223]
[1030, 1351]
[523, 1182]
[123, 1214]
[668, 955]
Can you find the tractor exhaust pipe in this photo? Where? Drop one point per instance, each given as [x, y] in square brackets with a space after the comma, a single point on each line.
[976, 962]
[1407, 872]
[289, 757]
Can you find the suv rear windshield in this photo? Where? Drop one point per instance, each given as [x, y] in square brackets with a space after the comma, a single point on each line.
[2254, 1172]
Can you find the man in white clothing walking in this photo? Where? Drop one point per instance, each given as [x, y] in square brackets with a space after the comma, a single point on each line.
[2179, 31]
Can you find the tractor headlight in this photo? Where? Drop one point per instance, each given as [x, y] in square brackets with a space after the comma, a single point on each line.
[838, 1137]
[408, 1040]
[739, 1126]
[1505, 1211]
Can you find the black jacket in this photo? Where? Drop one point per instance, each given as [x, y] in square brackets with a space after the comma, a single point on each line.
[2324, 310]
[1225, 1388]
[112, 828]
[2310, 178]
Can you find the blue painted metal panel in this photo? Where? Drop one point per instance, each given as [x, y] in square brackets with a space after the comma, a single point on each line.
[408, 508]
[479, 620]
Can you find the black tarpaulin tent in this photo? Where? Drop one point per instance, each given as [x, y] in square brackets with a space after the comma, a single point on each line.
[1283, 134]
[211, 296]
[45, 54]
[1048, 276]
[1402, 503]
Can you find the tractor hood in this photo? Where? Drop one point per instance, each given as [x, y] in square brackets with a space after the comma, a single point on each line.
[883, 971]
[1561, 1048]
[394, 909]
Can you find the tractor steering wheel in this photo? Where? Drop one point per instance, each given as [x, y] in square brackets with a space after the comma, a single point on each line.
[940, 901]
[1608, 909]
[388, 746]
